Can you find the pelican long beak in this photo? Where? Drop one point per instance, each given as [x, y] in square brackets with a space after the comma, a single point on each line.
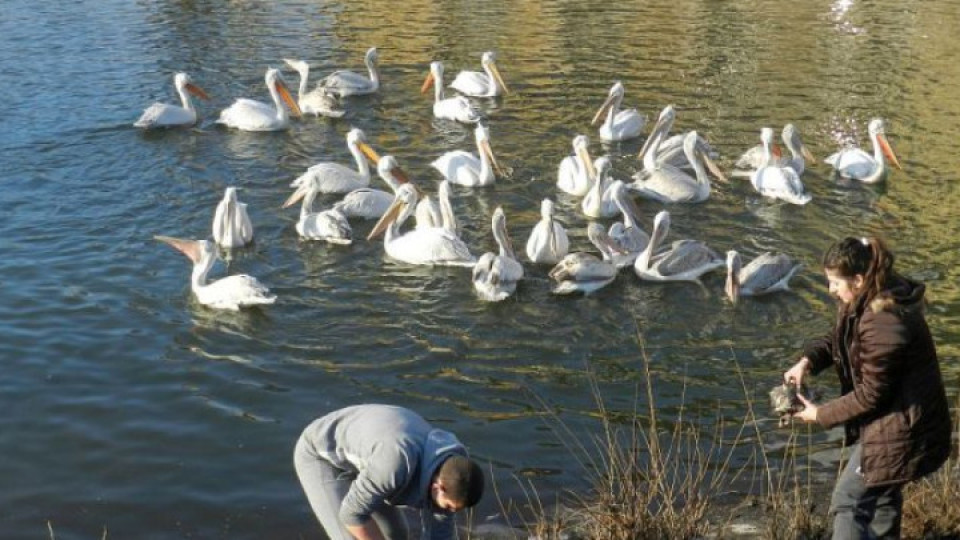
[485, 148]
[368, 151]
[603, 110]
[427, 83]
[496, 75]
[712, 165]
[776, 151]
[388, 217]
[401, 176]
[732, 288]
[654, 133]
[300, 193]
[197, 91]
[288, 99]
[584, 154]
[885, 146]
[190, 248]
[806, 154]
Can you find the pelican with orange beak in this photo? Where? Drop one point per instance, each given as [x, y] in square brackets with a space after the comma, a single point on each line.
[457, 108]
[619, 125]
[486, 84]
[332, 177]
[232, 292]
[856, 164]
[251, 115]
[160, 115]
[466, 169]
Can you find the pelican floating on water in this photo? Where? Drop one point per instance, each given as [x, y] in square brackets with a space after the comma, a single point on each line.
[620, 124]
[548, 242]
[856, 164]
[495, 275]
[231, 292]
[370, 203]
[232, 227]
[778, 182]
[319, 101]
[336, 178]
[669, 150]
[666, 183]
[457, 108]
[251, 115]
[425, 245]
[766, 274]
[486, 84]
[584, 272]
[161, 115]
[755, 157]
[348, 83]
[684, 260]
[626, 239]
[598, 202]
[466, 169]
[328, 225]
[575, 174]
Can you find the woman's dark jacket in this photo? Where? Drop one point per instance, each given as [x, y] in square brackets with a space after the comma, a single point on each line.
[893, 398]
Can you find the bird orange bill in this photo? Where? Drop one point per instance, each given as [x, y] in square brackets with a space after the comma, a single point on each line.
[387, 218]
[584, 154]
[485, 146]
[496, 74]
[190, 248]
[288, 99]
[806, 154]
[712, 165]
[369, 152]
[427, 83]
[197, 91]
[300, 193]
[603, 110]
[888, 151]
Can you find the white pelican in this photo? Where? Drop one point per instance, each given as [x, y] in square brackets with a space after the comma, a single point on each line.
[476, 84]
[856, 164]
[684, 260]
[456, 108]
[319, 101]
[670, 150]
[231, 292]
[775, 181]
[466, 169]
[495, 275]
[348, 83]
[576, 172]
[666, 183]
[232, 227]
[251, 115]
[598, 202]
[620, 125]
[425, 245]
[766, 274]
[548, 242]
[584, 272]
[328, 225]
[336, 178]
[755, 157]
[369, 203]
[165, 115]
[627, 239]
[428, 212]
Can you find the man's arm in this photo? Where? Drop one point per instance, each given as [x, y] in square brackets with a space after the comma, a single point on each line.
[367, 531]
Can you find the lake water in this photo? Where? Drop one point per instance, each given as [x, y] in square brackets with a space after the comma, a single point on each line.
[128, 406]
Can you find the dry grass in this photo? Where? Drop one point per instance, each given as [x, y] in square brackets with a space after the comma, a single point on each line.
[931, 505]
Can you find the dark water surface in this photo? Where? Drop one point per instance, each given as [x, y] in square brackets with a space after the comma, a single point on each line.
[129, 406]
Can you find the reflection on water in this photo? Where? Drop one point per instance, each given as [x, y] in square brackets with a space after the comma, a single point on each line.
[130, 406]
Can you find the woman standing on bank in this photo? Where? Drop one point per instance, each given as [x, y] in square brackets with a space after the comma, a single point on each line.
[892, 404]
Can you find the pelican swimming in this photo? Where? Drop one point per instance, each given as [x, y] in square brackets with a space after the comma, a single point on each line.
[165, 115]
[576, 172]
[328, 225]
[476, 84]
[232, 227]
[619, 125]
[583, 272]
[333, 177]
[766, 274]
[856, 164]
[684, 260]
[495, 275]
[775, 181]
[251, 115]
[626, 238]
[369, 203]
[456, 108]
[548, 242]
[345, 83]
[319, 101]
[428, 212]
[666, 183]
[425, 245]
[598, 202]
[231, 292]
[755, 157]
[466, 169]
[669, 150]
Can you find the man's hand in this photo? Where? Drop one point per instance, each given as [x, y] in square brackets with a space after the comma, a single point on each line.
[809, 412]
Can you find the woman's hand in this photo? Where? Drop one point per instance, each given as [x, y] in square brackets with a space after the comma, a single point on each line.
[809, 413]
[797, 372]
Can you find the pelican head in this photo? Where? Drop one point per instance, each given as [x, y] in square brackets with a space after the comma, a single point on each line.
[614, 97]
[371, 58]
[182, 81]
[390, 171]
[482, 135]
[581, 145]
[275, 83]
[660, 129]
[435, 76]
[195, 250]
[489, 63]
[878, 133]
[791, 137]
[356, 138]
[499, 228]
[732, 287]
[402, 206]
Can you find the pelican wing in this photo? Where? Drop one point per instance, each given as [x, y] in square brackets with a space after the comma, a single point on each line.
[668, 184]
[459, 167]
[365, 203]
[432, 246]
[329, 225]
[234, 292]
[852, 163]
[166, 115]
[332, 178]
[471, 82]
[687, 256]
[345, 82]
[320, 102]
[766, 273]
[457, 108]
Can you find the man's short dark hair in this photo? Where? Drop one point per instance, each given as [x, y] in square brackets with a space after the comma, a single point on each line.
[462, 480]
